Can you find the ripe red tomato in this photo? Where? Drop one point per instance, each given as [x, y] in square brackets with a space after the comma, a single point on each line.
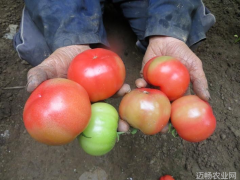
[166, 177]
[146, 109]
[193, 118]
[101, 72]
[57, 111]
[169, 74]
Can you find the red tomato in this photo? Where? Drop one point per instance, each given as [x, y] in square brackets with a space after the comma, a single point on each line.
[192, 118]
[169, 74]
[57, 111]
[146, 109]
[101, 72]
[166, 177]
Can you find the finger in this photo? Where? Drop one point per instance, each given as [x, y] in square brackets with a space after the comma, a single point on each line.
[35, 76]
[165, 129]
[141, 83]
[123, 90]
[54, 66]
[123, 126]
[199, 81]
[200, 87]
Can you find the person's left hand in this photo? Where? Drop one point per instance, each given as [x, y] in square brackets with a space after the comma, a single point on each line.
[56, 65]
[168, 46]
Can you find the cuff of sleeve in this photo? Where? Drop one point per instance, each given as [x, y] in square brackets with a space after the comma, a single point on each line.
[76, 39]
[188, 25]
[165, 28]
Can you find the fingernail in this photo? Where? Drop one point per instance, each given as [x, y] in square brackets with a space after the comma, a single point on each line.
[128, 88]
[26, 87]
[29, 87]
[208, 95]
[210, 98]
[140, 85]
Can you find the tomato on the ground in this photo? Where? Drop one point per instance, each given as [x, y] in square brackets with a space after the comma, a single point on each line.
[166, 177]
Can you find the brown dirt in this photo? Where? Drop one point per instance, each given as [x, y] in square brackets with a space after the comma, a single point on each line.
[136, 157]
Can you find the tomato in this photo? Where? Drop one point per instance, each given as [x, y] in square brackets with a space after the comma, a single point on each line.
[100, 135]
[57, 111]
[166, 177]
[193, 118]
[101, 72]
[169, 74]
[146, 109]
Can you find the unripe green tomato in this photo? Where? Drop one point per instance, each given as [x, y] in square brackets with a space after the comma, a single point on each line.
[100, 135]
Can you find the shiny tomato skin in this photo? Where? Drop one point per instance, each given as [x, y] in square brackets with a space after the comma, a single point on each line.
[166, 177]
[193, 118]
[169, 74]
[145, 109]
[101, 133]
[57, 111]
[101, 72]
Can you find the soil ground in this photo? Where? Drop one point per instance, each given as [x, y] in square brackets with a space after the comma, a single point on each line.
[135, 157]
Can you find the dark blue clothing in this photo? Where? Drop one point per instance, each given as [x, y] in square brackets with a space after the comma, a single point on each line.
[50, 24]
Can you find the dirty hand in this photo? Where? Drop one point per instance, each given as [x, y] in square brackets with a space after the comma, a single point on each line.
[168, 46]
[56, 65]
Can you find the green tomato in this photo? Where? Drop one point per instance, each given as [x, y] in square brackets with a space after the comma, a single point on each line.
[100, 135]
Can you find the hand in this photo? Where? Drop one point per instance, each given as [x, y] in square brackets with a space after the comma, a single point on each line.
[56, 65]
[168, 46]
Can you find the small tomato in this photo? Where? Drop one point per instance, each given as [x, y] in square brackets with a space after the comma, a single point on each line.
[100, 135]
[166, 177]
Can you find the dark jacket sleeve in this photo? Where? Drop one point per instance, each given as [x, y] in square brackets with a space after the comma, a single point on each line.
[187, 20]
[68, 22]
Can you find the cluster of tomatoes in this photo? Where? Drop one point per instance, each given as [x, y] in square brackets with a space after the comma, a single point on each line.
[60, 110]
[150, 110]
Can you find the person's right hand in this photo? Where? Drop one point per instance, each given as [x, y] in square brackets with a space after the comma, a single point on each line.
[169, 46]
[56, 65]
